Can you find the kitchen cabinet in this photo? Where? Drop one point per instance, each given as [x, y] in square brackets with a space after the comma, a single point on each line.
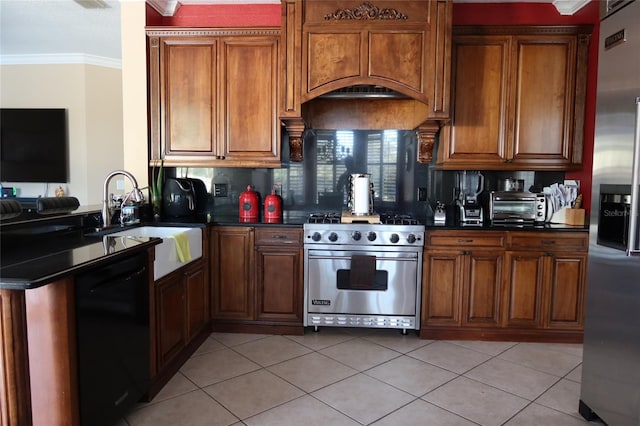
[332, 45]
[520, 285]
[182, 310]
[545, 280]
[279, 274]
[518, 98]
[232, 273]
[257, 278]
[462, 279]
[213, 97]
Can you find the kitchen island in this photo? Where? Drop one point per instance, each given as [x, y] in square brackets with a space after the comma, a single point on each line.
[41, 256]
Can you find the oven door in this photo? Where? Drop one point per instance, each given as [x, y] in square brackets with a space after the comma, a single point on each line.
[334, 286]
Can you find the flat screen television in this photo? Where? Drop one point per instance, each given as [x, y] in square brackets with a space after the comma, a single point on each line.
[33, 145]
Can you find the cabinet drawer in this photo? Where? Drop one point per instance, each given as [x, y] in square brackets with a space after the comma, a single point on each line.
[549, 241]
[466, 239]
[270, 236]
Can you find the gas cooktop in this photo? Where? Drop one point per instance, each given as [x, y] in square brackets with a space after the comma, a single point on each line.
[385, 218]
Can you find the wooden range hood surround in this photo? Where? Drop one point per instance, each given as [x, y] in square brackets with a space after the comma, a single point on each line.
[401, 45]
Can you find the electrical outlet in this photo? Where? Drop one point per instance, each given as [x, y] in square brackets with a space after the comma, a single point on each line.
[422, 193]
[219, 189]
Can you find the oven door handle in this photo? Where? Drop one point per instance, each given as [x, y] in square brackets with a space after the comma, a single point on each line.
[316, 257]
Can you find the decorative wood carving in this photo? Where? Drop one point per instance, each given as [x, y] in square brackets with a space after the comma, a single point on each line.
[295, 128]
[426, 140]
[366, 11]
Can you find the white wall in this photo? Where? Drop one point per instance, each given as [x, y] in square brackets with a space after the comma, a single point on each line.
[134, 88]
[93, 97]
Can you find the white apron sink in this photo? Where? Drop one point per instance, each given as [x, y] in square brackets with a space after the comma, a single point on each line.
[166, 254]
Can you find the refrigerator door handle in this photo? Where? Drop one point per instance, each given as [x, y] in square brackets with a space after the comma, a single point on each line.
[632, 244]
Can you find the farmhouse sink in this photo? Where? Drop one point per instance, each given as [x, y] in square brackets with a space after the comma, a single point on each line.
[166, 255]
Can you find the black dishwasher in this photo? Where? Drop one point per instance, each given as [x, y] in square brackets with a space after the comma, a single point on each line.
[112, 323]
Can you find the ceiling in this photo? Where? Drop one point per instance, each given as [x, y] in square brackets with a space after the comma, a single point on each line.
[58, 28]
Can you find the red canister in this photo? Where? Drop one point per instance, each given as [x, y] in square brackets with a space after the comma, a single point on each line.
[249, 205]
[272, 207]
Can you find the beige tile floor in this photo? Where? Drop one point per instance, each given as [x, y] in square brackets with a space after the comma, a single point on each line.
[368, 377]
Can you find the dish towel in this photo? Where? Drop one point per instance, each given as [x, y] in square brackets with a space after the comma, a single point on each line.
[182, 247]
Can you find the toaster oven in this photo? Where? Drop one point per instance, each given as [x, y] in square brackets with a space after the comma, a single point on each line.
[518, 207]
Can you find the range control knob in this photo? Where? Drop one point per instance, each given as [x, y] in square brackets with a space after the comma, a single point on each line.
[395, 238]
[411, 238]
[371, 236]
[333, 237]
[316, 236]
[356, 235]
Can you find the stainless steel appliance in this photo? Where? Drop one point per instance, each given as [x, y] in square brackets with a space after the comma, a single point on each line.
[360, 199]
[611, 351]
[469, 186]
[361, 274]
[518, 207]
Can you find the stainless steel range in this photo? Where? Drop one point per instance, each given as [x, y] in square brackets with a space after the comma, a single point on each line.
[363, 274]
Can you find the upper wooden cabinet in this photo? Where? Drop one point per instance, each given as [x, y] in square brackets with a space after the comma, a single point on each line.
[213, 97]
[402, 45]
[519, 98]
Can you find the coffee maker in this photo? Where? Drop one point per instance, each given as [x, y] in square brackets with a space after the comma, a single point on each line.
[469, 186]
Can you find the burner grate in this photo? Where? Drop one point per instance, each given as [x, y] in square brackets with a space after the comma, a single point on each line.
[399, 219]
[324, 218]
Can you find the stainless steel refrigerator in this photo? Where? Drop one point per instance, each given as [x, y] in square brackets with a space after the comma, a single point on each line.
[611, 352]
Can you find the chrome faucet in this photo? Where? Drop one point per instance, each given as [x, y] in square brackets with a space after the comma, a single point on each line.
[106, 208]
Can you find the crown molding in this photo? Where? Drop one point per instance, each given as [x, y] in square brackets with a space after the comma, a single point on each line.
[60, 58]
[569, 7]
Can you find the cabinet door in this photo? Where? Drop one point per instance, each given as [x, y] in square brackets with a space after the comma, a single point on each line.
[477, 136]
[544, 90]
[231, 273]
[522, 292]
[197, 291]
[249, 93]
[189, 104]
[564, 299]
[482, 288]
[171, 321]
[442, 277]
[279, 283]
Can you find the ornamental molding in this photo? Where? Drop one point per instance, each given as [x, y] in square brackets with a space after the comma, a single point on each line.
[366, 11]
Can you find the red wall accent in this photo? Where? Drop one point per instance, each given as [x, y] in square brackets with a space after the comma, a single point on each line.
[153, 18]
[224, 15]
[463, 14]
[547, 14]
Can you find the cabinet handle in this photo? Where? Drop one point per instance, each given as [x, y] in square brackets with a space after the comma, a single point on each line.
[465, 252]
[508, 160]
[462, 240]
[548, 254]
[279, 237]
[548, 242]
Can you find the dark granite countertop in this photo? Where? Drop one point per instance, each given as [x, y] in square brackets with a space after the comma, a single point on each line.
[24, 269]
[487, 226]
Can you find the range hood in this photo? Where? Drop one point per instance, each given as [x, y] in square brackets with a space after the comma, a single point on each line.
[377, 64]
[364, 91]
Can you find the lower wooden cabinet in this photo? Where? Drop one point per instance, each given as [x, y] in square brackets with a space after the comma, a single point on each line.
[182, 310]
[461, 286]
[504, 285]
[257, 278]
[231, 273]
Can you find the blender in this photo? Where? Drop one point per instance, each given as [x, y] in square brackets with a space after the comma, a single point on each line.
[470, 185]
